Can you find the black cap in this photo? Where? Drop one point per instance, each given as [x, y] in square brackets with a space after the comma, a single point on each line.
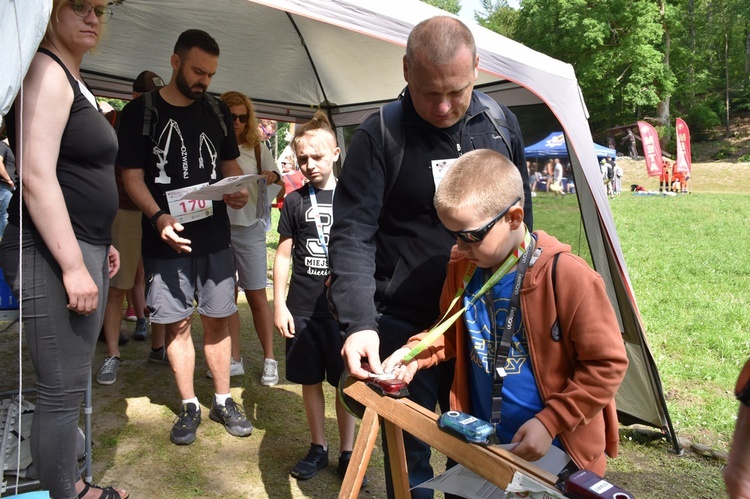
[147, 81]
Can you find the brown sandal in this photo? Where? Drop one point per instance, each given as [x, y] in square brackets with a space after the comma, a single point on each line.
[107, 493]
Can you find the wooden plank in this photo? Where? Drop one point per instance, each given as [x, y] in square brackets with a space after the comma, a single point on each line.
[492, 463]
[363, 447]
[397, 457]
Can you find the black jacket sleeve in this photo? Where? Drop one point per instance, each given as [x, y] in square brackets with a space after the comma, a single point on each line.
[356, 209]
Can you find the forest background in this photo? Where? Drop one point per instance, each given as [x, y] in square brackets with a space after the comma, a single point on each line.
[651, 60]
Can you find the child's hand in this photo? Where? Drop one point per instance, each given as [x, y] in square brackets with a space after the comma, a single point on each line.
[403, 372]
[533, 440]
[283, 321]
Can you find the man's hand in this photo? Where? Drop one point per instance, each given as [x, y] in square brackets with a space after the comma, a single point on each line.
[167, 226]
[362, 344]
[533, 440]
[113, 260]
[271, 176]
[236, 200]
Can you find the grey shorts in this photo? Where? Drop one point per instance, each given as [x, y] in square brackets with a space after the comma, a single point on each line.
[173, 285]
[250, 260]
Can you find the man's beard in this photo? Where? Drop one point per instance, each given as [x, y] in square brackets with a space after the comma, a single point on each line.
[186, 90]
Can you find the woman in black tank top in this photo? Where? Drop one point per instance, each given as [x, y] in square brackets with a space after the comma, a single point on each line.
[60, 229]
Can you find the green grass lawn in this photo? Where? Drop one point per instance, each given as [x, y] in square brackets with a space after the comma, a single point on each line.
[690, 271]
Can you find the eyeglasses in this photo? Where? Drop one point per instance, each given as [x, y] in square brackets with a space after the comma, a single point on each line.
[476, 235]
[266, 131]
[82, 8]
[242, 117]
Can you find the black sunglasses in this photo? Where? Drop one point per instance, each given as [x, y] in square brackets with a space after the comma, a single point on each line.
[476, 235]
[242, 117]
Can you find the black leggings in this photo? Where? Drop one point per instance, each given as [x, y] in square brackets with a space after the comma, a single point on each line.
[61, 344]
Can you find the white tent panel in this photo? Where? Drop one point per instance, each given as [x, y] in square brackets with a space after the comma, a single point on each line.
[23, 25]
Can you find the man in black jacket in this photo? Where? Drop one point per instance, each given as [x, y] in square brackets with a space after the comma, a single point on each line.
[388, 251]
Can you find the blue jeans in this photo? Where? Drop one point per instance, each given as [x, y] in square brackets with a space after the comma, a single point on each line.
[5, 195]
[61, 344]
[428, 387]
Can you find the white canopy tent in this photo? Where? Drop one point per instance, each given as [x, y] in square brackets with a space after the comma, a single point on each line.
[293, 56]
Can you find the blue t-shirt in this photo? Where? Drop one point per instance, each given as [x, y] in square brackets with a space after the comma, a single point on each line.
[521, 398]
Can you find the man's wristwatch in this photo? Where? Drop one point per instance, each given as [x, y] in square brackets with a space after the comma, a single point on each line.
[156, 217]
[742, 390]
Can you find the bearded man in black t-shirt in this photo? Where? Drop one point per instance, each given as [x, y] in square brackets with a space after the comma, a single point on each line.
[183, 146]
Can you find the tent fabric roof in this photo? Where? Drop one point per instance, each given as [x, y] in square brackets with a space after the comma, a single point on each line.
[26, 36]
[553, 146]
[294, 56]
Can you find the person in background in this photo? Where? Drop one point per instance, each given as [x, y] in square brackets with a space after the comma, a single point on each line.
[249, 238]
[665, 183]
[267, 129]
[549, 173]
[557, 176]
[290, 173]
[65, 151]
[313, 341]
[565, 356]
[126, 236]
[618, 178]
[534, 177]
[7, 180]
[186, 246]
[737, 470]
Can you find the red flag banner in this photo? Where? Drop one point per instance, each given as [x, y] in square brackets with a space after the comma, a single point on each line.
[684, 157]
[651, 149]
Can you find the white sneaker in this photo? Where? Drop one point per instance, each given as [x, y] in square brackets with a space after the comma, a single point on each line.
[236, 368]
[270, 374]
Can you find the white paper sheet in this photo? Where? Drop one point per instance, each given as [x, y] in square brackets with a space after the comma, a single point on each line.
[228, 185]
[465, 483]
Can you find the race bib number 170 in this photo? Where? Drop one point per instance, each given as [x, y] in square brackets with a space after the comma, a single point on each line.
[189, 210]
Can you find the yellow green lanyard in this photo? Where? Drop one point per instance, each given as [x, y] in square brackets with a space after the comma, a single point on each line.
[443, 325]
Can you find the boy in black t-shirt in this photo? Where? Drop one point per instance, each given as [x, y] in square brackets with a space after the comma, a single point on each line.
[313, 340]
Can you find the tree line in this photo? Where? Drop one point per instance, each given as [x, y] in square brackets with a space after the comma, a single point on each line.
[651, 60]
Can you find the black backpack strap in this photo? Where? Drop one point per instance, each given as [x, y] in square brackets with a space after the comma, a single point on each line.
[214, 104]
[496, 116]
[150, 114]
[392, 131]
[555, 332]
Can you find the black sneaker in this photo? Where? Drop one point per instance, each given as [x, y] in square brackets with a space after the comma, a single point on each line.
[183, 431]
[344, 459]
[159, 355]
[141, 330]
[230, 415]
[316, 459]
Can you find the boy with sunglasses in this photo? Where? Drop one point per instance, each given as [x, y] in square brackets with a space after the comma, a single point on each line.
[538, 349]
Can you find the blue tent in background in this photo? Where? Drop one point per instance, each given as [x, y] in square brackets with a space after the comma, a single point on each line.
[554, 147]
[603, 152]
